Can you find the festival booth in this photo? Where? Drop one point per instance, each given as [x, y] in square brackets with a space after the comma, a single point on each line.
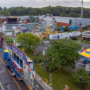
[86, 55]
[21, 65]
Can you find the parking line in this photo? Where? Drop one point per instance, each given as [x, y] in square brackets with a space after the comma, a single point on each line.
[11, 74]
[2, 61]
[1, 86]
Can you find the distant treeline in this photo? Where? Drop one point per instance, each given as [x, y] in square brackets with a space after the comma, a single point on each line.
[55, 11]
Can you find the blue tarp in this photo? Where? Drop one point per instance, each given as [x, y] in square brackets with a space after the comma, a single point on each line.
[6, 55]
[62, 28]
[70, 27]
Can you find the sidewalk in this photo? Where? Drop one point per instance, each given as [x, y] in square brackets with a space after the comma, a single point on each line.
[42, 82]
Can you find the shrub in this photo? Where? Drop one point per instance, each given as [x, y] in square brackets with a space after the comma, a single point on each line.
[66, 28]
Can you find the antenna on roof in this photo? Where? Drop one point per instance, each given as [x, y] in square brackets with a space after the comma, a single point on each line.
[82, 10]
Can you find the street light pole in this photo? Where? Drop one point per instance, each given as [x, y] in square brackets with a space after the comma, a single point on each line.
[24, 40]
[24, 30]
[82, 10]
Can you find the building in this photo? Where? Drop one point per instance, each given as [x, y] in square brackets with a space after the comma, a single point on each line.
[67, 21]
[86, 36]
[12, 20]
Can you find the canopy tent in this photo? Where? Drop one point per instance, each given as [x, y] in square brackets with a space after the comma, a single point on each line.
[85, 54]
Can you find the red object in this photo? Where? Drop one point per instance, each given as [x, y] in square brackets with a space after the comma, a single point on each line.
[62, 24]
[35, 27]
[26, 22]
[57, 39]
[35, 51]
[3, 19]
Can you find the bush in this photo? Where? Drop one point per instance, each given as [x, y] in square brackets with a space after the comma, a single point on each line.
[74, 38]
[66, 28]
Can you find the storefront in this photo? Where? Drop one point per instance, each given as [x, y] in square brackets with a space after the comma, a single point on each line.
[22, 66]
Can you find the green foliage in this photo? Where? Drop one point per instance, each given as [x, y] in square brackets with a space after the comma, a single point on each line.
[10, 39]
[59, 28]
[31, 40]
[66, 28]
[82, 77]
[56, 11]
[5, 12]
[64, 52]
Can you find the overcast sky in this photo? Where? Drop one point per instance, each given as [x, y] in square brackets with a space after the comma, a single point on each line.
[43, 3]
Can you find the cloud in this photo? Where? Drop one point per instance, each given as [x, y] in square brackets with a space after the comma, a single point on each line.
[43, 3]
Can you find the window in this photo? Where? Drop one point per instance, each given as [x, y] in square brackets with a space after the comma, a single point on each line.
[17, 59]
[21, 63]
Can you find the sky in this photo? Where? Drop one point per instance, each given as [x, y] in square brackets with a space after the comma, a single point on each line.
[43, 3]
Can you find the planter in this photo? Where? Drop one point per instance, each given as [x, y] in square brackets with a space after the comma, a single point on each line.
[46, 69]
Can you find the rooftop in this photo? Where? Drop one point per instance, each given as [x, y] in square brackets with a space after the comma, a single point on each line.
[29, 60]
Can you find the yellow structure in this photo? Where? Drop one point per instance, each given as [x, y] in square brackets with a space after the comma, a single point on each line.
[48, 30]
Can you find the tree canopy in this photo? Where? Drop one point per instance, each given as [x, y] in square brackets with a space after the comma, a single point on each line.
[64, 52]
[82, 77]
[55, 11]
[31, 40]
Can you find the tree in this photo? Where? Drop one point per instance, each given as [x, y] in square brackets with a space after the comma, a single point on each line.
[5, 12]
[31, 40]
[82, 77]
[66, 28]
[59, 28]
[64, 52]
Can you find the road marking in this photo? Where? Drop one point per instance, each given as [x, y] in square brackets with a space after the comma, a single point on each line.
[17, 84]
[11, 74]
[2, 61]
[1, 86]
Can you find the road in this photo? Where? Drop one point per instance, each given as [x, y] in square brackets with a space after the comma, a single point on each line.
[37, 86]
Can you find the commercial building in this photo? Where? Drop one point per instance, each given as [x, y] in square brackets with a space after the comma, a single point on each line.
[86, 36]
[67, 21]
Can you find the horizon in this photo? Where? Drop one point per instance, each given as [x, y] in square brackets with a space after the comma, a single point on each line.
[44, 3]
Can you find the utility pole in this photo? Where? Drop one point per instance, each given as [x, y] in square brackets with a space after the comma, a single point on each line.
[82, 10]
[24, 40]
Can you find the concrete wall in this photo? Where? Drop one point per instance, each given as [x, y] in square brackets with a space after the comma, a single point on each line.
[78, 21]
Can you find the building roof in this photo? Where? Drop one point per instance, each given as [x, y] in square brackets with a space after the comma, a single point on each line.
[13, 17]
[29, 60]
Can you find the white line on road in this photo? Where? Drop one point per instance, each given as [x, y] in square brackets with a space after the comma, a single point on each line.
[1, 86]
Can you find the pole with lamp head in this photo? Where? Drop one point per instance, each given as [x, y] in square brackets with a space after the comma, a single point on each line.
[24, 30]
[82, 10]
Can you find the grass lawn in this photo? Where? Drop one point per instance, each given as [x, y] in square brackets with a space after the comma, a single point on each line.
[85, 30]
[83, 41]
[59, 79]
